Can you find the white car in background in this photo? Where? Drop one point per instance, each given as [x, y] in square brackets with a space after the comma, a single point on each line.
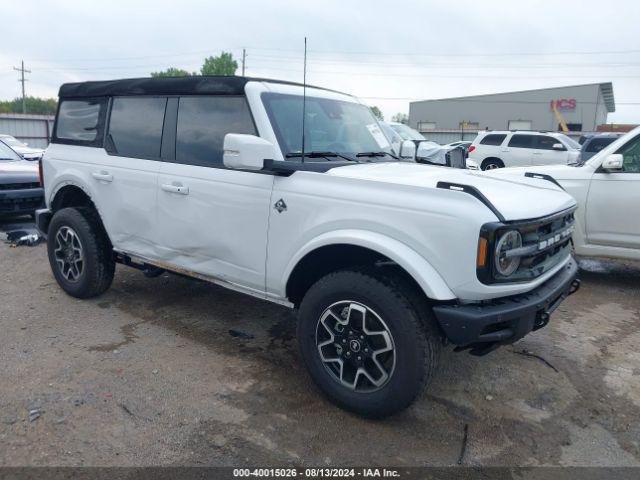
[519, 148]
[607, 189]
[22, 149]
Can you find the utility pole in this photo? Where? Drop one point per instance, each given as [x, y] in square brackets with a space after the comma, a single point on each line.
[244, 56]
[22, 80]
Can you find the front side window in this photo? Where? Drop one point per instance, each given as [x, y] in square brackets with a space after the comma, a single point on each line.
[330, 125]
[521, 141]
[135, 126]
[203, 123]
[493, 139]
[547, 143]
[79, 121]
[631, 156]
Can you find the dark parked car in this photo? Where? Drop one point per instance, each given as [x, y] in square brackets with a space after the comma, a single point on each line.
[593, 143]
[20, 190]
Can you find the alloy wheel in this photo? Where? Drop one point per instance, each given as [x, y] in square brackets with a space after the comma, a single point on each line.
[69, 254]
[355, 346]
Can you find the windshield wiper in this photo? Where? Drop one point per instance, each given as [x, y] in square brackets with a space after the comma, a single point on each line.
[318, 154]
[375, 154]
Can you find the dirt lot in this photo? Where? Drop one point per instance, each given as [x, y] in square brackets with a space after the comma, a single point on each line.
[171, 371]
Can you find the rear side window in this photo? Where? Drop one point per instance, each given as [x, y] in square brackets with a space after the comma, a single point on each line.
[521, 141]
[598, 144]
[135, 126]
[202, 124]
[547, 143]
[493, 139]
[80, 122]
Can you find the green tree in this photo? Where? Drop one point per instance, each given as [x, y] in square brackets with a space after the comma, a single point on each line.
[224, 64]
[377, 112]
[171, 72]
[401, 118]
[35, 105]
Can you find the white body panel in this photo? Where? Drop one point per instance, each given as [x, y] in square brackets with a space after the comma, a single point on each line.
[123, 189]
[218, 225]
[607, 224]
[221, 223]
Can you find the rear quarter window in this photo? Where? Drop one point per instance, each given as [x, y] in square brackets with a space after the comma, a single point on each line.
[493, 139]
[80, 122]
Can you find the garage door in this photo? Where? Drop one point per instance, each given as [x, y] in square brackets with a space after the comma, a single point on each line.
[519, 124]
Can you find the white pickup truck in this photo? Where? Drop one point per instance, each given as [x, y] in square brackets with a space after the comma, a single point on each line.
[607, 189]
[385, 261]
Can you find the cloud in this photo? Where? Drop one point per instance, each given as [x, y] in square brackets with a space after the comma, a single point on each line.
[390, 50]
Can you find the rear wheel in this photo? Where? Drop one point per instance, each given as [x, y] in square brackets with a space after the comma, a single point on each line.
[79, 252]
[369, 345]
[492, 164]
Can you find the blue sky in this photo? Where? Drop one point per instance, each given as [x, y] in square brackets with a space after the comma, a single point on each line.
[386, 52]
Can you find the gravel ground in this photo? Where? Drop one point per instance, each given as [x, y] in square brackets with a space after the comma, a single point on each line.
[172, 371]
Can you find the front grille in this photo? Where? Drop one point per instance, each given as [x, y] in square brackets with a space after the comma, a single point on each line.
[19, 186]
[553, 243]
[8, 205]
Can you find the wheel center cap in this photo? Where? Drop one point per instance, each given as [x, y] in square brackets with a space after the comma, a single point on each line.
[354, 345]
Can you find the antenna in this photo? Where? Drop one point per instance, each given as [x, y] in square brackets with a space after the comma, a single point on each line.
[304, 94]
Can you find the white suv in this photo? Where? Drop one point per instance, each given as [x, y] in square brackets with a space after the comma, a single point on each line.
[520, 148]
[383, 260]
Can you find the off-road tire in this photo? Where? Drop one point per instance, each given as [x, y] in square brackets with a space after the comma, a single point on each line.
[410, 321]
[99, 263]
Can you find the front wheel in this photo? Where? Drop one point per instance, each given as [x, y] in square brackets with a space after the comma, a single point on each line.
[369, 344]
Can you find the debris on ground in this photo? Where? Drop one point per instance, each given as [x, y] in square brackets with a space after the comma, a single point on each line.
[19, 238]
[527, 353]
[34, 414]
[240, 334]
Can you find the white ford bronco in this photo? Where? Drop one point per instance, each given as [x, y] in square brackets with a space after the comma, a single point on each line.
[291, 194]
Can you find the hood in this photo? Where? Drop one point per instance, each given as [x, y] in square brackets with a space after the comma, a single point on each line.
[22, 167]
[515, 198]
[558, 172]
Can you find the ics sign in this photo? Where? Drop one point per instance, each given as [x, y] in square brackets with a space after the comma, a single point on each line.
[564, 104]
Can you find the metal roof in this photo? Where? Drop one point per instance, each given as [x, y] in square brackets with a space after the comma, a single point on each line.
[606, 90]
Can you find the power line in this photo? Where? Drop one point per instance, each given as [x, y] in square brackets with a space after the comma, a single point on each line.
[336, 52]
[501, 54]
[22, 71]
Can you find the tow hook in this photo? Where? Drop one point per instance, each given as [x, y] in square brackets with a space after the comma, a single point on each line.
[575, 286]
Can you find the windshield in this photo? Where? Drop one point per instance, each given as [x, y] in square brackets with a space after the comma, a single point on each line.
[406, 132]
[7, 153]
[9, 140]
[570, 142]
[346, 128]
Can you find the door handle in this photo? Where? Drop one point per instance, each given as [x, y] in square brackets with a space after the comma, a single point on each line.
[171, 188]
[537, 153]
[102, 176]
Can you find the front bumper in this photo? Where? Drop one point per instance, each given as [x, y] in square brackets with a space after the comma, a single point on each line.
[482, 327]
[43, 218]
[21, 201]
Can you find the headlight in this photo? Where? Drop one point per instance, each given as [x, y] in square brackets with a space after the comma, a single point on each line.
[506, 265]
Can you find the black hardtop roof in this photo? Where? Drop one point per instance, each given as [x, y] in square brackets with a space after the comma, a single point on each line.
[192, 85]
